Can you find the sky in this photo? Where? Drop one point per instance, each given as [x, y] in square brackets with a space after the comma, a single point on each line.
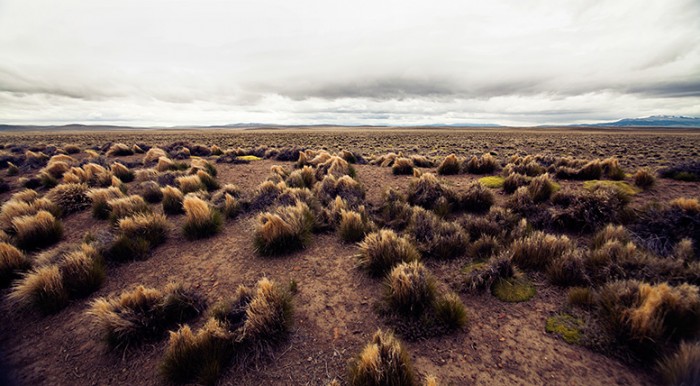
[206, 62]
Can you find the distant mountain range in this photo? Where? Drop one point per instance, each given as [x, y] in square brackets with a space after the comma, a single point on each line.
[653, 121]
[656, 121]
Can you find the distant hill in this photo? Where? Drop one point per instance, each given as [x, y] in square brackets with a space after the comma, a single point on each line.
[653, 121]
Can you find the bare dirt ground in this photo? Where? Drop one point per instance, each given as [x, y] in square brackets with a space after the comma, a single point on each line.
[333, 319]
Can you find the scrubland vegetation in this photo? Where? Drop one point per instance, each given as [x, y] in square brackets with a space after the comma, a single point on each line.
[211, 258]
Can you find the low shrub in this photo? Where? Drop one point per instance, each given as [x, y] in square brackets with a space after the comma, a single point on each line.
[584, 211]
[426, 191]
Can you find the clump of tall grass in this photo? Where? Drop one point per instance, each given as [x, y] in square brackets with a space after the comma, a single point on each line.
[382, 250]
[201, 220]
[285, 230]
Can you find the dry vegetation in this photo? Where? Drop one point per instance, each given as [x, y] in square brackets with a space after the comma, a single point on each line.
[481, 250]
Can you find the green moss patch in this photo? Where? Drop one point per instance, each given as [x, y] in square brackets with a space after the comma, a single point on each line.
[621, 185]
[567, 327]
[493, 182]
[513, 290]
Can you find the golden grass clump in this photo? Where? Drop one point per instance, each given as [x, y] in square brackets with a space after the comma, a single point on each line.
[648, 316]
[70, 197]
[426, 191]
[142, 175]
[42, 288]
[25, 195]
[242, 328]
[71, 149]
[381, 251]
[689, 205]
[383, 361]
[12, 209]
[82, 271]
[126, 206]
[56, 169]
[285, 230]
[119, 149]
[12, 263]
[644, 178]
[402, 166]
[541, 188]
[609, 233]
[37, 231]
[122, 172]
[353, 226]
[143, 313]
[684, 250]
[35, 159]
[189, 184]
[209, 182]
[200, 356]
[153, 154]
[301, 178]
[200, 219]
[485, 164]
[152, 227]
[172, 200]
[449, 165]
[411, 288]
[683, 366]
[100, 197]
[164, 164]
[539, 250]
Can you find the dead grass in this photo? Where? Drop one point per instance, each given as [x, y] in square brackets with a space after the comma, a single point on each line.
[126, 206]
[12, 263]
[190, 184]
[354, 226]
[37, 231]
[172, 200]
[486, 164]
[285, 230]
[152, 227]
[42, 288]
[683, 366]
[201, 220]
[153, 154]
[539, 250]
[644, 178]
[402, 166]
[70, 197]
[477, 198]
[411, 288]
[435, 237]
[144, 314]
[383, 361]
[100, 198]
[381, 251]
[119, 149]
[449, 165]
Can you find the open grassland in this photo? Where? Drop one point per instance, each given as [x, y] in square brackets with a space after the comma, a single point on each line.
[358, 257]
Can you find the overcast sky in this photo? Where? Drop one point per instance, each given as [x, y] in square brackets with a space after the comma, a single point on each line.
[514, 62]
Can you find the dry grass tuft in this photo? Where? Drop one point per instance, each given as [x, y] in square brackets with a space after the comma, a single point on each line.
[381, 251]
[285, 230]
[164, 164]
[100, 197]
[383, 361]
[644, 178]
[402, 166]
[435, 237]
[539, 250]
[70, 197]
[82, 271]
[427, 192]
[42, 288]
[611, 232]
[411, 288]
[477, 198]
[12, 263]
[449, 165]
[649, 316]
[683, 366]
[122, 172]
[515, 180]
[541, 188]
[208, 180]
[144, 313]
[201, 220]
[354, 226]
[486, 164]
[190, 184]
[153, 154]
[119, 149]
[37, 231]
[126, 206]
[172, 200]
[688, 205]
[152, 227]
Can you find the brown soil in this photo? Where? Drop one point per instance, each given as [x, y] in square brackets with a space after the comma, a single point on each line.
[334, 316]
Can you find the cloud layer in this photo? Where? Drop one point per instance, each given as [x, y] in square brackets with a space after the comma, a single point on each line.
[306, 62]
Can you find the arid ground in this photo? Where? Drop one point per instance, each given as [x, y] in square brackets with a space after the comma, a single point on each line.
[335, 304]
